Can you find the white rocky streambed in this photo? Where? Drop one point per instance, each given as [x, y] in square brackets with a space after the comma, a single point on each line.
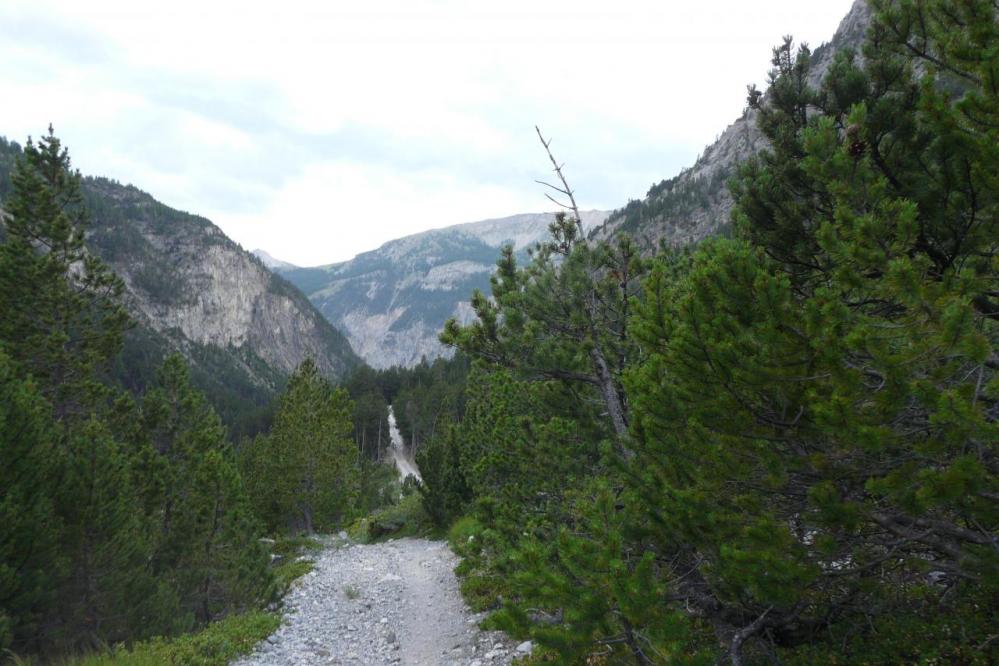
[389, 603]
[403, 460]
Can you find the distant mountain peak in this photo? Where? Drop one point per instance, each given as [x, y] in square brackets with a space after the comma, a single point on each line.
[271, 261]
[393, 301]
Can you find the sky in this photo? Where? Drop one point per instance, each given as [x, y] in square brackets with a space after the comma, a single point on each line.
[320, 129]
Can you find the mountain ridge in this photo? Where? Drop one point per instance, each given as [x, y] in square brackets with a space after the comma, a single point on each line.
[393, 301]
[696, 203]
[191, 289]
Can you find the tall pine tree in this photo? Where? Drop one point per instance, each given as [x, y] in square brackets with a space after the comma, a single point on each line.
[304, 474]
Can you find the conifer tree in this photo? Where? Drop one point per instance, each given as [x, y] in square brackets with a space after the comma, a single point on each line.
[206, 539]
[104, 539]
[30, 555]
[304, 475]
[62, 312]
[817, 409]
[563, 316]
[62, 322]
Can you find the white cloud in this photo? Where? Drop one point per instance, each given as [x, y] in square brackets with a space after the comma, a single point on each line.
[272, 118]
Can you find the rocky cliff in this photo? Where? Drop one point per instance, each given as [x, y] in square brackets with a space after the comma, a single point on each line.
[696, 203]
[392, 302]
[191, 289]
[188, 281]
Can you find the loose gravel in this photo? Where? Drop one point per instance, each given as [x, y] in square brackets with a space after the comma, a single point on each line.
[389, 603]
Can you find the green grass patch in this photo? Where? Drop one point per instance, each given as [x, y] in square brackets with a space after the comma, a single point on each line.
[405, 519]
[294, 560]
[294, 546]
[288, 572]
[215, 645]
[463, 534]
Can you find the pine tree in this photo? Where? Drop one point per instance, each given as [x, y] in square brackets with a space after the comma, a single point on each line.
[815, 418]
[30, 555]
[62, 322]
[63, 318]
[304, 475]
[104, 539]
[562, 317]
[205, 536]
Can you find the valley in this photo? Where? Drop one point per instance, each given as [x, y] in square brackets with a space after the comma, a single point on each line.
[392, 302]
[750, 418]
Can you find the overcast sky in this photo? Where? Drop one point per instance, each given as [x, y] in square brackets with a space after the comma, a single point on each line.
[317, 130]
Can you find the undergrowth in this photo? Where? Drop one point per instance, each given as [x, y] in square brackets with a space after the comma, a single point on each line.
[216, 645]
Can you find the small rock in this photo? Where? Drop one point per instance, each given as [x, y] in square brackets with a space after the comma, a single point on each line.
[526, 647]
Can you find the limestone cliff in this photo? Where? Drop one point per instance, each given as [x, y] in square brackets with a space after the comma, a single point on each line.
[191, 289]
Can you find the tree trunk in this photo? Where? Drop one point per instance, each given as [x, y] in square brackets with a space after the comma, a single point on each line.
[612, 400]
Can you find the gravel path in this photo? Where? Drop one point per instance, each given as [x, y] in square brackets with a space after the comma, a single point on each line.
[390, 603]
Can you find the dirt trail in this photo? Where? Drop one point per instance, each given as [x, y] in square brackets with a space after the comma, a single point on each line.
[390, 603]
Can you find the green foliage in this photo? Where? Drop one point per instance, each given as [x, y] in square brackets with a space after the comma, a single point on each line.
[405, 519]
[30, 554]
[370, 418]
[62, 316]
[816, 428]
[809, 472]
[122, 520]
[426, 396]
[104, 540]
[217, 645]
[206, 535]
[287, 573]
[444, 490]
[304, 475]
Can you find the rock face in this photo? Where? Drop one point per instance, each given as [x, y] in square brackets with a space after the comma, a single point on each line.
[242, 328]
[187, 281]
[392, 302]
[696, 203]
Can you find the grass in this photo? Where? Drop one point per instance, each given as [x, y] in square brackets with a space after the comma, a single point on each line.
[405, 519]
[294, 546]
[215, 645]
[291, 568]
[351, 592]
[463, 533]
[222, 641]
[287, 573]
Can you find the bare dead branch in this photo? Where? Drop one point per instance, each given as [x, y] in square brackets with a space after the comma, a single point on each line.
[567, 190]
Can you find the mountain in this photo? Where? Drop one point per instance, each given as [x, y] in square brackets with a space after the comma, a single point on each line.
[242, 328]
[272, 262]
[392, 302]
[696, 203]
